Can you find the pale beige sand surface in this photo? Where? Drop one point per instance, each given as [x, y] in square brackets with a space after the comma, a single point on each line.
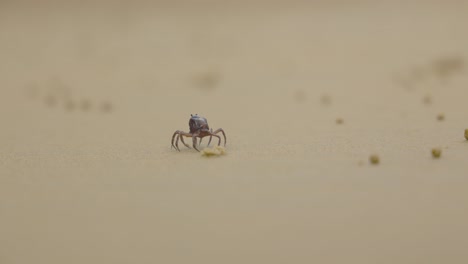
[90, 94]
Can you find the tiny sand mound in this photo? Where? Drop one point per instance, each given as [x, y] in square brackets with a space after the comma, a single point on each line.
[215, 151]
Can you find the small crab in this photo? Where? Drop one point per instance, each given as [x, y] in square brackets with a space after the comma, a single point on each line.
[198, 128]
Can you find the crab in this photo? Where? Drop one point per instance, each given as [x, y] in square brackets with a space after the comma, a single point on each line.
[198, 129]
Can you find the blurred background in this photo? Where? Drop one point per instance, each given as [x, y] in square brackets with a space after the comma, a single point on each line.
[92, 91]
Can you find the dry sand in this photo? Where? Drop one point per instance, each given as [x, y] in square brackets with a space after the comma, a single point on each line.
[90, 95]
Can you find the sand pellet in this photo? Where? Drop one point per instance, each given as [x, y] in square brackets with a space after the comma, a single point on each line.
[436, 152]
[440, 117]
[374, 159]
[215, 151]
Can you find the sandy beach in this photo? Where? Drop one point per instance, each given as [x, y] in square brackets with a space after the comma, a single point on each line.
[306, 91]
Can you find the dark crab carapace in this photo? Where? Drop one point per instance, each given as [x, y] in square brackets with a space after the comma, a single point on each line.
[198, 129]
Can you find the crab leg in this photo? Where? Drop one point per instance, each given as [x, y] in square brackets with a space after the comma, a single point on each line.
[172, 141]
[182, 138]
[199, 143]
[180, 135]
[194, 139]
[222, 131]
[211, 131]
[177, 142]
[213, 135]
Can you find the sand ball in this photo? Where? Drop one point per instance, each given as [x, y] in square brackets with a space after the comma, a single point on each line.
[436, 152]
[374, 159]
[214, 151]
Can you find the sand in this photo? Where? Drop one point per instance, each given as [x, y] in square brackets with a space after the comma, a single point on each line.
[91, 93]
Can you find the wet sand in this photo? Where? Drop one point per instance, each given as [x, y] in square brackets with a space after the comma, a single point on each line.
[90, 95]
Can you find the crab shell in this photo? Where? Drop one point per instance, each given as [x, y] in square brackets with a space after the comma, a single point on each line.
[197, 124]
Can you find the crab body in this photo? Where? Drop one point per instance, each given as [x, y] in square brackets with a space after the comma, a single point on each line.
[198, 129]
[198, 123]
